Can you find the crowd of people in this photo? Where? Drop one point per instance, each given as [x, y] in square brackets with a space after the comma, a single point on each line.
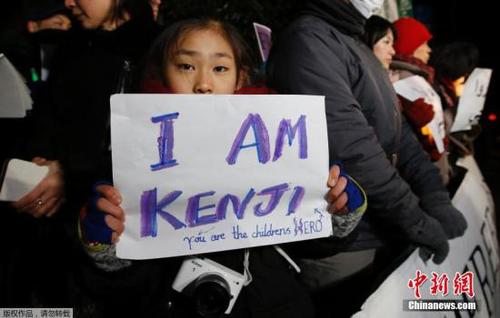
[389, 181]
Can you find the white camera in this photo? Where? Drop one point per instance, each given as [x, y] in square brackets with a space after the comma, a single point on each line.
[213, 287]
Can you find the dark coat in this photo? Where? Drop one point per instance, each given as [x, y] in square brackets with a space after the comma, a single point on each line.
[320, 53]
[76, 110]
[144, 288]
[71, 119]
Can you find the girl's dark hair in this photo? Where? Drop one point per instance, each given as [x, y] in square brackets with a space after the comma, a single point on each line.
[454, 60]
[138, 9]
[376, 28]
[164, 47]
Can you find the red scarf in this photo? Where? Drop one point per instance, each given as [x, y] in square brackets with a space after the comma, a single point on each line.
[427, 69]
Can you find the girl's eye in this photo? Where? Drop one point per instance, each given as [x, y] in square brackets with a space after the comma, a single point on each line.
[186, 67]
[220, 69]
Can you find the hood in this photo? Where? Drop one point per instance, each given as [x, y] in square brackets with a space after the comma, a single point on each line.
[340, 14]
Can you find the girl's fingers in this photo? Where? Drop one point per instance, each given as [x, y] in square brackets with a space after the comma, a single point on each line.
[333, 176]
[339, 206]
[115, 238]
[108, 207]
[337, 190]
[109, 192]
[115, 224]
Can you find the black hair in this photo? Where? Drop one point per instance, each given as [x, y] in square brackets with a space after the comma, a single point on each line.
[163, 48]
[454, 60]
[376, 28]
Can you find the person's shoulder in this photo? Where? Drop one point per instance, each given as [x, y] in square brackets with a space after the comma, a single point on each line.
[308, 24]
[313, 31]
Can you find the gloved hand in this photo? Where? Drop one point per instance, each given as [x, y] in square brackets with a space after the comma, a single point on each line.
[429, 235]
[347, 201]
[92, 219]
[439, 206]
[418, 112]
[354, 200]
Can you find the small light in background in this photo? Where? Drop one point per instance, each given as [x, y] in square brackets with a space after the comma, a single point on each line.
[458, 85]
[492, 117]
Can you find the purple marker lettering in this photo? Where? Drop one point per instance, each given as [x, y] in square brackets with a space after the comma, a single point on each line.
[193, 217]
[150, 208]
[297, 196]
[148, 213]
[165, 141]
[276, 192]
[239, 209]
[285, 128]
[261, 139]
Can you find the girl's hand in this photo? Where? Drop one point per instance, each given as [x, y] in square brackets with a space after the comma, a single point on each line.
[48, 196]
[109, 203]
[337, 197]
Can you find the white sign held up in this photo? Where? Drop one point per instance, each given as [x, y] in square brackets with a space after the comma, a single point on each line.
[471, 103]
[415, 87]
[202, 174]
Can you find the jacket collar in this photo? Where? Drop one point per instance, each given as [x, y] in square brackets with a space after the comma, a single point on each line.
[414, 65]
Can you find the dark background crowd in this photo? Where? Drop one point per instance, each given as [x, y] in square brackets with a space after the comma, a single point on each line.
[453, 20]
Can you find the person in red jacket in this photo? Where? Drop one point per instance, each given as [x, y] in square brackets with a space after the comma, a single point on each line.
[412, 57]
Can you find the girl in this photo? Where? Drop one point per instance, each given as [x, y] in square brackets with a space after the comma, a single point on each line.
[379, 36]
[204, 56]
[412, 56]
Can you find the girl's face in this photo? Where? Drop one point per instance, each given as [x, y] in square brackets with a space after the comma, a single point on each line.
[423, 53]
[384, 49]
[202, 63]
[92, 14]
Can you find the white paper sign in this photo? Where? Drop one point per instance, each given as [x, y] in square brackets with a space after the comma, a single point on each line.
[202, 174]
[20, 178]
[470, 105]
[415, 87]
[477, 252]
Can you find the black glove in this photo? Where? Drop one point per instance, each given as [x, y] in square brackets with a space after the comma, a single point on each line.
[438, 205]
[429, 235]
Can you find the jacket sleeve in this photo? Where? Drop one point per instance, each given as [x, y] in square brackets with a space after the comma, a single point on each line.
[312, 61]
[415, 165]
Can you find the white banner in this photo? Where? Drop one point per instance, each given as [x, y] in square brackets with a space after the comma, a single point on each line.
[471, 103]
[476, 252]
[201, 174]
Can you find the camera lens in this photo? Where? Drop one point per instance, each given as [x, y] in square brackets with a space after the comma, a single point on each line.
[211, 294]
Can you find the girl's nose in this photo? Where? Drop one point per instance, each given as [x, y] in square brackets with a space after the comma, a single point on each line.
[203, 84]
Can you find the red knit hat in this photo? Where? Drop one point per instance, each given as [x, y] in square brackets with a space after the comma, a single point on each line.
[410, 35]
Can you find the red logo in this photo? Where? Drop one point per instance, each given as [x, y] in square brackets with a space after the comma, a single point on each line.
[462, 284]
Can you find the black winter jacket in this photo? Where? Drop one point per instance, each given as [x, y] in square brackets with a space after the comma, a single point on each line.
[87, 72]
[320, 53]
